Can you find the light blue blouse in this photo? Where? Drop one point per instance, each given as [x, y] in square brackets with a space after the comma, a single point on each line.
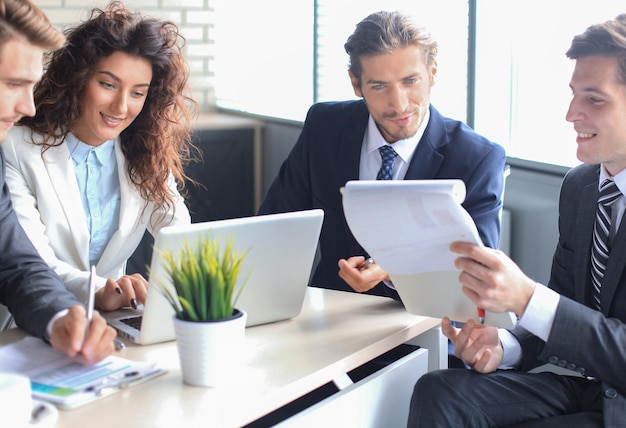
[98, 181]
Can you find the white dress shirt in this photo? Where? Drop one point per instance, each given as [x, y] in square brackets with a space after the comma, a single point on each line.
[370, 157]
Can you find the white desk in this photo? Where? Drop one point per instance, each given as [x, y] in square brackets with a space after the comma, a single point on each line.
[335, 333]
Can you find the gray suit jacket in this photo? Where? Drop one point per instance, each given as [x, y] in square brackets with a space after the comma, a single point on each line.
[32, 292]
[582, 338]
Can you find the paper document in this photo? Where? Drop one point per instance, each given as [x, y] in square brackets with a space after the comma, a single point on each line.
[407, 226]
[66, 382]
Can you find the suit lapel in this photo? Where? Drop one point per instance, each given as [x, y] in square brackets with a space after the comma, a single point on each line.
[348, 159]
[426, 159]
[584, 231]
[131, 205]
[60, 168]
[349, 150]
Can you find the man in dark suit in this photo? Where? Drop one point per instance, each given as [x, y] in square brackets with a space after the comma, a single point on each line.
[392, 68]
[579, 322]
[36, 297]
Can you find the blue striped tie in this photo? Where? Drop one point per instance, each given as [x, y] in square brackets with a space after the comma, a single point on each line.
[388, 155]
[601, 246]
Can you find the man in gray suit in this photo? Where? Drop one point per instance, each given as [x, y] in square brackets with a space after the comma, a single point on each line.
[36, 297]
[579, 322]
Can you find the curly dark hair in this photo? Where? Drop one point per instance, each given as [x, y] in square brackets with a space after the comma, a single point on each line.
[158, 142]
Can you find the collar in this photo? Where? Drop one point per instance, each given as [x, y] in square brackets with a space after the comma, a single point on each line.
[105, 152]
[405, 148]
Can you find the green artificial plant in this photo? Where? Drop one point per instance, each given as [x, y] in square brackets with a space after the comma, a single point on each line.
[203, 280]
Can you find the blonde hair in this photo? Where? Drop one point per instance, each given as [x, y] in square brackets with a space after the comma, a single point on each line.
[23, 19]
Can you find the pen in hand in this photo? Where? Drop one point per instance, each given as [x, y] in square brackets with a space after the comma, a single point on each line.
[481, 316]
[91, 298]
[366, 264]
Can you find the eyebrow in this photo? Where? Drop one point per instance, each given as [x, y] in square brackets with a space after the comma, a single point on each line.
[117, 79]
[373, 81]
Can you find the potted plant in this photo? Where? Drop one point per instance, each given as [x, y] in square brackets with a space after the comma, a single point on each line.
[201, 288]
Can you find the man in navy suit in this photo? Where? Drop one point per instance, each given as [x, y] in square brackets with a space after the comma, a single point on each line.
[34, 294]
[579, 321]
[392, 68]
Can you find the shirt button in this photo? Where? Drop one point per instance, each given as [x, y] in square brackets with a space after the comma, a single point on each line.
[96, 214]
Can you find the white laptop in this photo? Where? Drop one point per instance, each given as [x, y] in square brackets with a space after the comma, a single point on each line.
[281, 249]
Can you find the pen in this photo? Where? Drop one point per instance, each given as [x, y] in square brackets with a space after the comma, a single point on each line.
[114, 382]
[366, 263]
[37, 413]
[481, 315]
[119, 345]
[91, 297]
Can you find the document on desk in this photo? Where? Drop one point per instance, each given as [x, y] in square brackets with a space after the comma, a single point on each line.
[407, 226]
[66, 382]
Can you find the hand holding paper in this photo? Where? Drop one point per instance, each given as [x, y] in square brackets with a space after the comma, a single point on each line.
[407, 226]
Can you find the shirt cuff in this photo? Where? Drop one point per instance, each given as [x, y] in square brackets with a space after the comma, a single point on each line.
[512, 350]
[540, 312]
[52, 321]
[389, 284]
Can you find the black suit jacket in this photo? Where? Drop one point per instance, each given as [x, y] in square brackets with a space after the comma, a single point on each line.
[327, 155]
[583, 339]
[32, 292]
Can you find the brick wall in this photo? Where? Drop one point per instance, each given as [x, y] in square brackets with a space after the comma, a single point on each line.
[193, 17]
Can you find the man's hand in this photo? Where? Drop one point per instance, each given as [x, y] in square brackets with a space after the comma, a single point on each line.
[492, 280]
[359, 279]
[477, 345]
[68, 335]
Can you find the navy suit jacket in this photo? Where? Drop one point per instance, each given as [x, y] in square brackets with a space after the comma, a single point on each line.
[327, 155]
[583, 339]
[28, 287]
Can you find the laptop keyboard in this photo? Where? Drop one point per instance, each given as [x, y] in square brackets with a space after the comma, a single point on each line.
[134, 322]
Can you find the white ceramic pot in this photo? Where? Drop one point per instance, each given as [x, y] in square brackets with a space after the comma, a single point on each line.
[210, 351]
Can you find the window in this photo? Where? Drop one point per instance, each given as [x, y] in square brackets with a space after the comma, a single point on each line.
[265, 56]
[447, 21]
[280, 56]
[522, 73]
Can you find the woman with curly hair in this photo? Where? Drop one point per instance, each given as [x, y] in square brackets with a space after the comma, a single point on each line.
[102, 159]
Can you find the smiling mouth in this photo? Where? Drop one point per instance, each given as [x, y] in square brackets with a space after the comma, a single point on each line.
[585, 135]
[111, 119]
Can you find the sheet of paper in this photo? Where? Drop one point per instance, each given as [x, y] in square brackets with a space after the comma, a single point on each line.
[67, 382]
[407, 226]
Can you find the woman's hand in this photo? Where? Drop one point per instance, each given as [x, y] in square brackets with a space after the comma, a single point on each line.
[129, 290]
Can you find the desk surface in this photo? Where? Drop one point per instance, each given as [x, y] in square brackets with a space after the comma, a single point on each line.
[335, 333]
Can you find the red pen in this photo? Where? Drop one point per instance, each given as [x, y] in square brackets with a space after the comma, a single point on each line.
[481, 315]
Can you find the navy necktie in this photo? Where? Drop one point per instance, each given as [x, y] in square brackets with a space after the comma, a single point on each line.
[388, 155]
[601, 245]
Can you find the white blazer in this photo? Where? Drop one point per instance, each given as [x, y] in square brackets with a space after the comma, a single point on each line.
[46, 199]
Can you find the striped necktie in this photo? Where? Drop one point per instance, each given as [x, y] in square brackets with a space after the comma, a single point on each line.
[388, 155]
[601, 246]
